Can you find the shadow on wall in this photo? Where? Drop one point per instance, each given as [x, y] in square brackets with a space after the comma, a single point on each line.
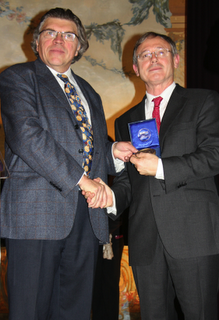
[27, 39]
[137, 82]
[28, 36]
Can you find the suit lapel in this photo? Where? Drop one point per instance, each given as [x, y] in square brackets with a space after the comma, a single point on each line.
[135, 114]
[138, 113]
[47, 79]
[174, 108]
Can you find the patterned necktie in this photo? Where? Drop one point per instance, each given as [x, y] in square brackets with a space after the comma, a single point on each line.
[156, 111]
[83, 122]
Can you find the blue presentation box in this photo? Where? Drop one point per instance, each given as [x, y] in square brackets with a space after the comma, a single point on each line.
[144, 135]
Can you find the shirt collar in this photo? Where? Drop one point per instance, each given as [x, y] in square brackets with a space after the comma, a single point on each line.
[165, 94]
[68, 73]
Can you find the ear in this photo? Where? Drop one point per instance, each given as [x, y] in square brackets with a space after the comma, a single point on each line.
[176, 61]
[37, 46]
[78, 48]
[135, 68]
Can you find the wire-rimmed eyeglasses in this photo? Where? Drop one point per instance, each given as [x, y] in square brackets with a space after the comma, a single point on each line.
[52, 34]
[159, 53]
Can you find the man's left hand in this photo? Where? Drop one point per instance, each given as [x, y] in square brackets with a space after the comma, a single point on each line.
[145, 163]
[123, 150]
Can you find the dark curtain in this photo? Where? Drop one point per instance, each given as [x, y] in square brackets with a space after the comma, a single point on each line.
[203, 44]
[203, 48]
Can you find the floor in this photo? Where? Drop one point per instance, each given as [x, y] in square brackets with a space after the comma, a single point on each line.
[133, 316]
[129, 309]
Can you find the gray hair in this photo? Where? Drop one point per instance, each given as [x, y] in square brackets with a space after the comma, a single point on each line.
[65, 14]
[153, 35]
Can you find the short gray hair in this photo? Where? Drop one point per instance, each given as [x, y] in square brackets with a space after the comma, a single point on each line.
[65, 14]
[153, 35]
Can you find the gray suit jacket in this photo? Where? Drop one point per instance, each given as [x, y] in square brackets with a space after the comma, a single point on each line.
[184, 207]
[43, 151]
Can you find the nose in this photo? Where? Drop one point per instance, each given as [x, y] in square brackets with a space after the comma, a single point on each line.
[154, 57]
[59, 37]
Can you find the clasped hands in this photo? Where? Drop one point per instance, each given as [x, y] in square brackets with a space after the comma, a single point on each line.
[98, 193]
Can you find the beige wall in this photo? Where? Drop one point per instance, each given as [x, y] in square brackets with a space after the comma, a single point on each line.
[101, 65]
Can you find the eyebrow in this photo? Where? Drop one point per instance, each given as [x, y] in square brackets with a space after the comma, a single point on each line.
[57, 31]
[155, 49]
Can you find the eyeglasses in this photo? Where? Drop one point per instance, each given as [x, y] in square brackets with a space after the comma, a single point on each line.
[52, 34]
[159, 53]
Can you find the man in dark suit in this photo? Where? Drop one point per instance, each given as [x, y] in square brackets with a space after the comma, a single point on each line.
[53, 151]
[174, 208]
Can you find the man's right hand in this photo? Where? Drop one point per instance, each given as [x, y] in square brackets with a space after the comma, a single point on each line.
[103, 200]
[97, 192]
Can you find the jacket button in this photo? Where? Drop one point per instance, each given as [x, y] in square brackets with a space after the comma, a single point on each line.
[80, 150]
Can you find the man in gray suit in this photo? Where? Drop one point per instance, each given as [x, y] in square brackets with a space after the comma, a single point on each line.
[174, 207]
[52, 237]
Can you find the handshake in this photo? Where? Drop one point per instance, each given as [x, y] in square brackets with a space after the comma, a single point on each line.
[98, 193]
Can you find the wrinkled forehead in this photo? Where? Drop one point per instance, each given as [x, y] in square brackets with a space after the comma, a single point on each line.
[53, 23]
[153, 43]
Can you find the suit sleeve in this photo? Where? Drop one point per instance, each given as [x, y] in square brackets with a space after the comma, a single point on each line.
[121, 185]
[203, 160]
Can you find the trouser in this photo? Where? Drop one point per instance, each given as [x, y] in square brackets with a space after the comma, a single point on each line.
[194, 281]
[53, 279]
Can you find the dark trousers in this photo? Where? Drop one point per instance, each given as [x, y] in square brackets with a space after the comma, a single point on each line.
[195, 282]
[53, 279]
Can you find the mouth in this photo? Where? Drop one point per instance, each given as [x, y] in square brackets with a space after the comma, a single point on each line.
[57, 50]
[155, 68]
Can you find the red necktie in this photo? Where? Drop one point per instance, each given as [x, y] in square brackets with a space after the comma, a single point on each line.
[156, 111]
